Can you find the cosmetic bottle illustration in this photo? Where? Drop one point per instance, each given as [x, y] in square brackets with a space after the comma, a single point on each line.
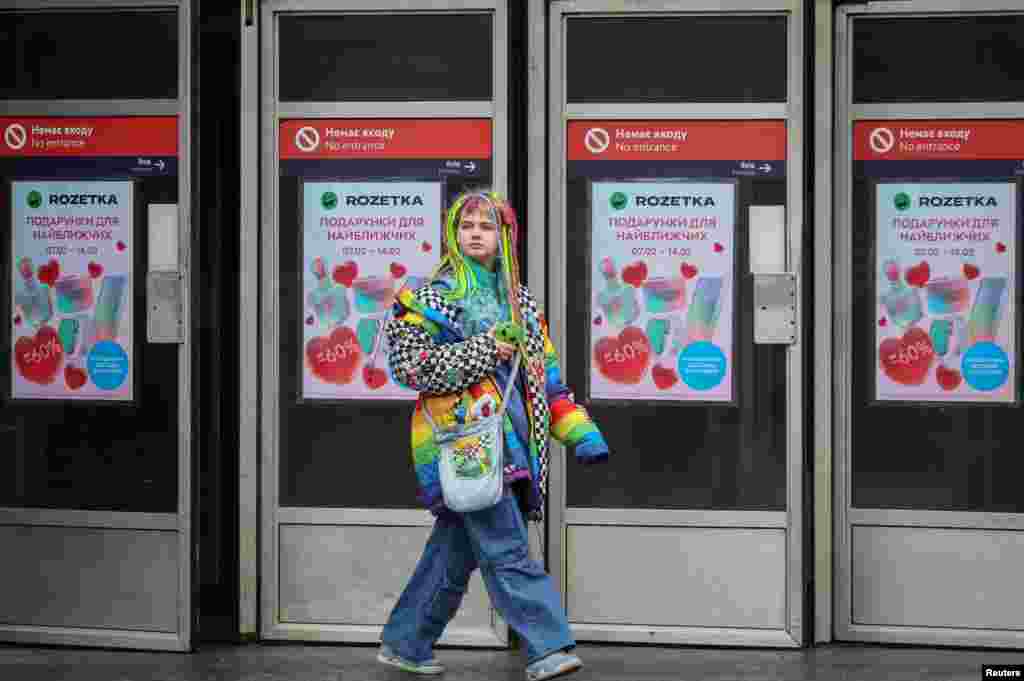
[618, 301]
[941, 333]
[69, 330]
[329, 302]
[32, 297]
[985, 315]
[658, 331]
[902, 303]
[374, 293]
[702, 317]
[664, 294]
[947, 295]
[74, 293]
[107, 317]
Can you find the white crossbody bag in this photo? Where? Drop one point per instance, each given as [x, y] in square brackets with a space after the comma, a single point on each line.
[472, 460]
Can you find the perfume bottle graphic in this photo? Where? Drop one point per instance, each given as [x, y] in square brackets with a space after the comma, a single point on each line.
[901, 302]
[618, 301]
[329, 302]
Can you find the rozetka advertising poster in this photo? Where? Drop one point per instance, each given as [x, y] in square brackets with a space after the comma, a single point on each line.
[662, 286]
[71, 290]
[946, 280]
[362, 241]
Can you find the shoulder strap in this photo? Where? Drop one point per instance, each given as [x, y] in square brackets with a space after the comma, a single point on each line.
[504, 398]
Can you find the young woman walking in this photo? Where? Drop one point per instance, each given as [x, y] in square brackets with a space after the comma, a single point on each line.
[445, 343]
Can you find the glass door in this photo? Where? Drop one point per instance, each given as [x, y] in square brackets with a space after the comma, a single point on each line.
[675, 258]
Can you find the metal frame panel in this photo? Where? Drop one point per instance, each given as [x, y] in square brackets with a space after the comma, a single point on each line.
[248, 351]
[385, 109]
[108, 520]
[271, 112]
[844, 516]
[823, 129]
[88, 107]
[677, 111]
[181, 522]
[559, 111]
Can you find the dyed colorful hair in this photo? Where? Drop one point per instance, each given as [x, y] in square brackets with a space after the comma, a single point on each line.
[454, 262]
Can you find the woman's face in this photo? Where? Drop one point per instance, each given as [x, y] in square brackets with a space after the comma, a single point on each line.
[478, 235]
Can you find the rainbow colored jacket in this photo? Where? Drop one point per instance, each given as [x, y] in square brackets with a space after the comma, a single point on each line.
[428, 353]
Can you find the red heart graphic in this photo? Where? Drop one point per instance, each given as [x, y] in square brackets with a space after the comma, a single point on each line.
[346, 273]
[74, 377]
[49, 272]
[971, 271]
[95, 270]
[907, 359]
[919, 274]
[309, 320]
[121, 246]
[426, 247]
[1000, 247]
[883, 322]
[664, 377]
[598, 320]
[948, 379]
[397, 270]
[334, 359]
[688, 271]
[623, 359]
[374, 378]
[17, 320]
[635, 274]
[718, 247]
[38, 358]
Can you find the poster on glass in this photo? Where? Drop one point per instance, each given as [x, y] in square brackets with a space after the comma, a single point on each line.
[71, 290]
[945, 328]
[362, 241]
[662, 285]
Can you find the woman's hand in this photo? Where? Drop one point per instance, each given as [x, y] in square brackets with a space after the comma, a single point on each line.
[505, 350]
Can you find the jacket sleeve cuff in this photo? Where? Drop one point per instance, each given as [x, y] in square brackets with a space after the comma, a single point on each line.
[592, 449]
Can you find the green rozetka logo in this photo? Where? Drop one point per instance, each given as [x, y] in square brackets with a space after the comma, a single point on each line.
[35, 199]
[329, 200]
[902, 201]
[619, 200]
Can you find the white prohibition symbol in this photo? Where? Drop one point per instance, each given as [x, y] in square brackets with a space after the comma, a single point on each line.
[882, 140]
[596, 140]
[307, 139]
[15, 136]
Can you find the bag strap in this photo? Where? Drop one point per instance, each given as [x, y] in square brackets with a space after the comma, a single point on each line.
[504, 398]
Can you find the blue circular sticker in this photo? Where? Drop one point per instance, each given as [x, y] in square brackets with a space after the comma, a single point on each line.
[108, 365]
[702, 365]
[985, 366]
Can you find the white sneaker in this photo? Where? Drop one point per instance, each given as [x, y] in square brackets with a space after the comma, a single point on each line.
[388, 657]
[555, 664]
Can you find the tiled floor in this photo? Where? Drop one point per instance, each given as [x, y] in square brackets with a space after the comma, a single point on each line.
[273, 662]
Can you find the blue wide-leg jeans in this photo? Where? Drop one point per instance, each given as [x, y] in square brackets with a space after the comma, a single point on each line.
[494, 540]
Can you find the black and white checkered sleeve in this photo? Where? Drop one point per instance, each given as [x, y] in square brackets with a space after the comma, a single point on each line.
[425, 366]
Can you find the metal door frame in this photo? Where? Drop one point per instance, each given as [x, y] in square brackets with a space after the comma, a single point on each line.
[272, 112]
[559, 113]
[180, 522]
[845, 517]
